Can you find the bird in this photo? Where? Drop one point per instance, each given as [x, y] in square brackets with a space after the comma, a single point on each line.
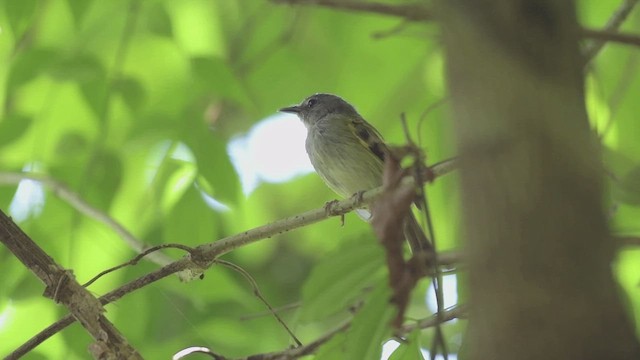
[348, 153]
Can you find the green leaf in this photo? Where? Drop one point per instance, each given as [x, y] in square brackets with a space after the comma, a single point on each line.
[7, 192]
[333, 349]
[105, 176]
[341, 278]
[213, 164]
[158, 20]
[190, 222]
[79, 8]
[94, 94]
[173, 178]
[13, 127]
[371, 325]
[212, 75]
[19, 13]
[21, 285]
[628, 189]
[100, 179]
[166, 82]
[30, 64]
[409, 350]
[72, 144]
[81, 69]
[89, 73]
[27, 287]
[132, 92]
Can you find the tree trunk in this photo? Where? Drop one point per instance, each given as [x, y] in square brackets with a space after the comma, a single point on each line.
[539, 250]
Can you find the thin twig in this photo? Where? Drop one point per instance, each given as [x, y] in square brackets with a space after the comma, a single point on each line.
[456, 312]
[105, 299]
[300, 351]
[397, 29]
[450, 314]
[135, 260]
[411, 12]
[391, 211]
[613, 24]
[78, 203]
[258, 294]
[286, 307]
[612, 36]
[426, 112]
[438, 340]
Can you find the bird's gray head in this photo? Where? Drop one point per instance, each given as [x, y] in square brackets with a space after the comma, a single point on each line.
[316, 107]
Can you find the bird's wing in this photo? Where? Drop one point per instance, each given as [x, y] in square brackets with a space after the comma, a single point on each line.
[369, 137]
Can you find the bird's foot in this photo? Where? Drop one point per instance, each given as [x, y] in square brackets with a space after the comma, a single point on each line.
[358, 198]
[329, 209]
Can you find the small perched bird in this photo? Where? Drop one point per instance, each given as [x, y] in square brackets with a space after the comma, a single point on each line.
[347, 152]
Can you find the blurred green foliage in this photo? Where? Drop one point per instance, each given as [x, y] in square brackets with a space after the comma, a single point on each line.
[104, 96]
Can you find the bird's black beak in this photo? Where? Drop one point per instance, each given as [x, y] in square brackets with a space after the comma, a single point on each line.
[291, 109]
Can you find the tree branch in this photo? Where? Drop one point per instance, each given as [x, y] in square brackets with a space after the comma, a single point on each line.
[338, 208]
[627, 240]
[418, 12]
[62, 287]
[204, 255]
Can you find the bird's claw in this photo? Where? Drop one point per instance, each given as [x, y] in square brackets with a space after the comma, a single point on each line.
[329, 207]
[358, 198]
[330, 211]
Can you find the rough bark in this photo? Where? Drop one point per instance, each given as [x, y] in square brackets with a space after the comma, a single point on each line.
[62, 287]
[539, 251]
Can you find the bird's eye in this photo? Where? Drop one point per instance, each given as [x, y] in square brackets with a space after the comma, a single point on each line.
[311, 102]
